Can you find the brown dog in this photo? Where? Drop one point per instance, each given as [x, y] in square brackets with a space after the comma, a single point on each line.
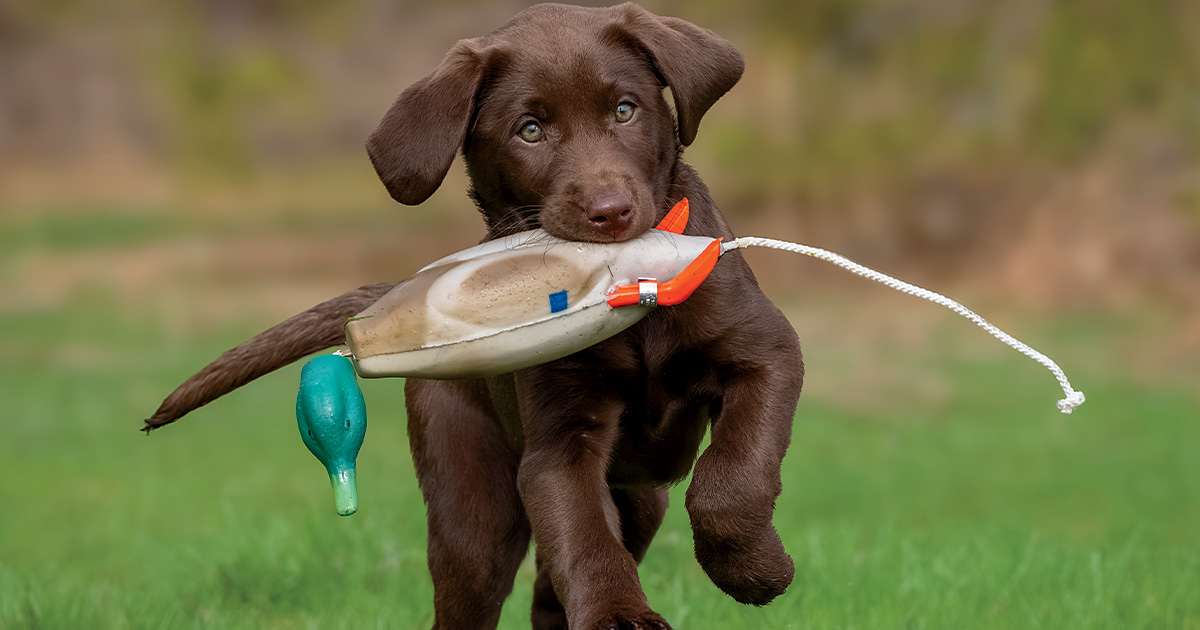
[562, 119]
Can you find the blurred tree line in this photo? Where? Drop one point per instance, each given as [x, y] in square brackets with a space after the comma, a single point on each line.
[1055, 143]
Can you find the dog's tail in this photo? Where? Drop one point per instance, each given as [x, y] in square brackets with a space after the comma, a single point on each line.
[316, 329]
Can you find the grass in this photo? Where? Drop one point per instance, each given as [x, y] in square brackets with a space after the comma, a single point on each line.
[983, 509]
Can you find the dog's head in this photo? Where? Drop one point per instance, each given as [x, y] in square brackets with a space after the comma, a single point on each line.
[561, 118]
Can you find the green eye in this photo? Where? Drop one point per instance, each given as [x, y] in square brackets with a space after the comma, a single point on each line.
[624, 112]
[531, 133]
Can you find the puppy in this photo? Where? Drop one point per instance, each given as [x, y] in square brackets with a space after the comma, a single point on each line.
[563, 122]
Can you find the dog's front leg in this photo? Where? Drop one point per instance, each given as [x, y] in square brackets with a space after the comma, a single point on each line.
[735, 481]
[570, 427]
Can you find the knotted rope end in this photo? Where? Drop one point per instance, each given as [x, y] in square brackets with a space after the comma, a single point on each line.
[1073, 400]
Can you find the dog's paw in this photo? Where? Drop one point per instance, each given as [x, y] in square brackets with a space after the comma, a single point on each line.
[648, 620]
[750, 569]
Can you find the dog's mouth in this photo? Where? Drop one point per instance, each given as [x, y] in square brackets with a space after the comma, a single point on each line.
[515, 220]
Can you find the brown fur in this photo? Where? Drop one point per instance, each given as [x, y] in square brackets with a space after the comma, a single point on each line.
[577, 453]
[316, 329]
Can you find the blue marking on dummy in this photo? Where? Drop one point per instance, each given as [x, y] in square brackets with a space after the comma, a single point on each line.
[558, 301]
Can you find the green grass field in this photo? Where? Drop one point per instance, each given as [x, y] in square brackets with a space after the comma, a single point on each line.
[974, 506]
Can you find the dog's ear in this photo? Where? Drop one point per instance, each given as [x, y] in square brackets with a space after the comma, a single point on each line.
[697, 64]
[416, 141]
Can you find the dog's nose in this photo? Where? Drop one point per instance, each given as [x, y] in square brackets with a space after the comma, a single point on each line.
[611, 213]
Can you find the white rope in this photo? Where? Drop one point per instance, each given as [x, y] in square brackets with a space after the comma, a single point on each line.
[1066, 405]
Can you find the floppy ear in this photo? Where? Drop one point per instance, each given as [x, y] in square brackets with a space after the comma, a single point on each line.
[698, 65]
[417, 139]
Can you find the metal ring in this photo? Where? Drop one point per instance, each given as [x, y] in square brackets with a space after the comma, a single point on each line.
[647, 292]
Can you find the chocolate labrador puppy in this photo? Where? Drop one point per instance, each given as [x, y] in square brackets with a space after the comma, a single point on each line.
[564, 124]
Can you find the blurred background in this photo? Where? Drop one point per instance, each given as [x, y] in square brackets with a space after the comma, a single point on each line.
[1047, 149]
[176, 176]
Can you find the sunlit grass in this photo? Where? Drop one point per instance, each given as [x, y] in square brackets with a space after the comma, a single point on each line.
[987, 510]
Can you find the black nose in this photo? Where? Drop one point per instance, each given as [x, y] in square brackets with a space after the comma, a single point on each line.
[611, 213]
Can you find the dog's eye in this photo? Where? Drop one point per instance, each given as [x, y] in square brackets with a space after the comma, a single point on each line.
[625, 112]
[531, 133]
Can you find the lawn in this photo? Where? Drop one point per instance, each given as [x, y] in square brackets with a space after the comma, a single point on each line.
[942, 490]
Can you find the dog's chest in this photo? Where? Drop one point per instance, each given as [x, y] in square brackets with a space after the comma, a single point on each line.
[668, 393]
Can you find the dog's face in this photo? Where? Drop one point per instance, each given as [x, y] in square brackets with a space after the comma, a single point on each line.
[582, 141]
[561, 118]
